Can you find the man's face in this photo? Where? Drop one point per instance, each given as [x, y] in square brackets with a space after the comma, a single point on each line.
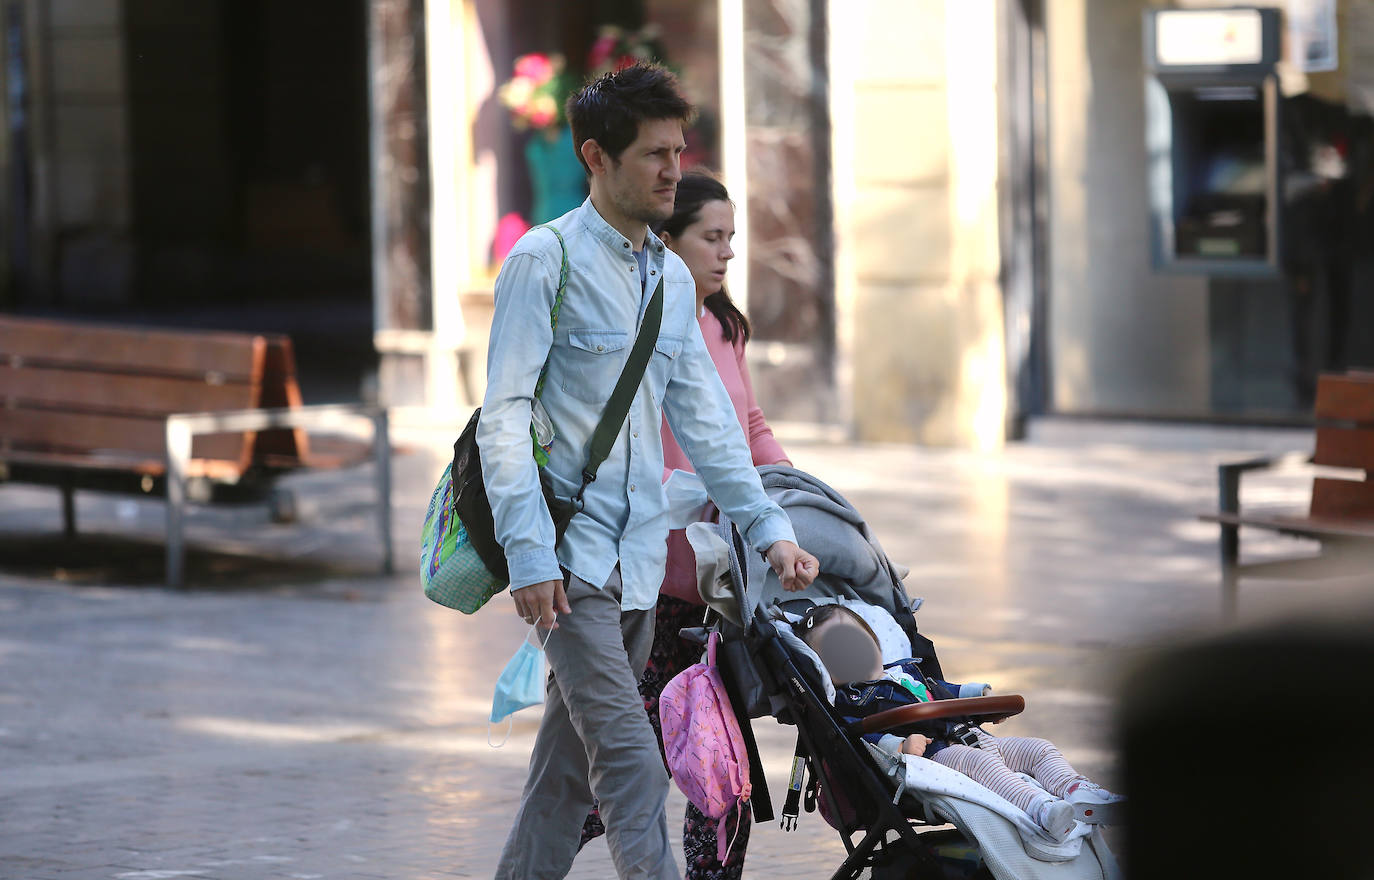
[642, 183]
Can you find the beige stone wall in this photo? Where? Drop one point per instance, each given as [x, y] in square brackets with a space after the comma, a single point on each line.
[915, 113]
[1123, 338]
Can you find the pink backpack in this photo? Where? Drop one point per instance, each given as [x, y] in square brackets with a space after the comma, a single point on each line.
[703, 742]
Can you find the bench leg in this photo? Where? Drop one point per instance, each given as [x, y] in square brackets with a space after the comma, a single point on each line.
[69, 511]
[1230, 579]
[381, 447]
[1228, 486]
[178, 456]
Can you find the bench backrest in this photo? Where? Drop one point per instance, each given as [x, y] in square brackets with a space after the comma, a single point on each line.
[1345, 438]
[104, 391]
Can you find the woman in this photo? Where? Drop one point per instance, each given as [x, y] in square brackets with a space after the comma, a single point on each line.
[700, 231]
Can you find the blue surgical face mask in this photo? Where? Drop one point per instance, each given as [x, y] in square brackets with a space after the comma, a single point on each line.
[520, 685]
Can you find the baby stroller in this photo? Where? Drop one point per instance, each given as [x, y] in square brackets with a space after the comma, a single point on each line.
[860, 789]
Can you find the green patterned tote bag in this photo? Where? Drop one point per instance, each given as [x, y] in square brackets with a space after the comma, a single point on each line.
[462, 565]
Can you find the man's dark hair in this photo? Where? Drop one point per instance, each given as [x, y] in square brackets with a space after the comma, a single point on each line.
[610, 108]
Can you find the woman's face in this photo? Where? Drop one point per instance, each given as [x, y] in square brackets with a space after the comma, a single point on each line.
[705, 246]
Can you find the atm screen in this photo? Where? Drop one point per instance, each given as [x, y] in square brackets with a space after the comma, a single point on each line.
[1220, 173]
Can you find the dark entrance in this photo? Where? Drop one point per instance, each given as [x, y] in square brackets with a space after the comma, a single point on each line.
[248, 138]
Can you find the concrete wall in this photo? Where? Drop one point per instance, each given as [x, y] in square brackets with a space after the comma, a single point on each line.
[1122, 339]
[919, 304]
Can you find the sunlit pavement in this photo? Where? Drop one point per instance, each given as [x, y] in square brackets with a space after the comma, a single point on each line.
[305, 722]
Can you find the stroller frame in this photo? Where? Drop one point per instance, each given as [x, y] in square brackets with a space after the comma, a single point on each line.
[845, 768]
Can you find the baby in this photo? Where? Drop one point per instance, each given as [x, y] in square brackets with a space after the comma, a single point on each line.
[863, 686]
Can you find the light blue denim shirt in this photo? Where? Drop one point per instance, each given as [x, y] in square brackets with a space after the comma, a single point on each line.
[625, 519]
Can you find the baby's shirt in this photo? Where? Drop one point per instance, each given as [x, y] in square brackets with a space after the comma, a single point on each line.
[917, 687]
[901, 684]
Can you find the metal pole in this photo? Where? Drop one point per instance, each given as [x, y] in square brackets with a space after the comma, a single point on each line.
[178, 456]
[68, 510]
[382, 450]
[1228, 483]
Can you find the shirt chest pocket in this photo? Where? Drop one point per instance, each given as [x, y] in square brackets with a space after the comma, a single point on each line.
[594, 360]
[660, 368]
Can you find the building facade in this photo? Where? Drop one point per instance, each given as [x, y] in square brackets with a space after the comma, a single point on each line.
[943, 206]
[863, 156]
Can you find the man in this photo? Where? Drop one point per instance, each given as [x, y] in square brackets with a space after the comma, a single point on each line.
[598, 588]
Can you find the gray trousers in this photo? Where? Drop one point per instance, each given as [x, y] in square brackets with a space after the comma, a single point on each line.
[594, 741]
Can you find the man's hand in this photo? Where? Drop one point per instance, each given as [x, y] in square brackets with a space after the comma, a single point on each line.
[794, 566]
[541, 602]
[915, 744]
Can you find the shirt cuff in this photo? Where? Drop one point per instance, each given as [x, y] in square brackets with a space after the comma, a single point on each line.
[534, 567]
[891, 744]
[766, 450]
[975, 689]
[768, 529]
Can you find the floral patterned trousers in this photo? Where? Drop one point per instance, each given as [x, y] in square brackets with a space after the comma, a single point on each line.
[670, 655]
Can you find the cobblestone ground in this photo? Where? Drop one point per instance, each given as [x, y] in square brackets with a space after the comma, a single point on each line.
[305, 718]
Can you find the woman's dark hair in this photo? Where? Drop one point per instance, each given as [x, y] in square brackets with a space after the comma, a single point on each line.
[694, 190]
[610, 108]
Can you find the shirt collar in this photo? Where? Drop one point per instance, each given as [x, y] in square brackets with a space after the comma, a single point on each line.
[609, 236]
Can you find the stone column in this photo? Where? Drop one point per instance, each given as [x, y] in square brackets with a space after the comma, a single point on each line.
[402, 290]
[914, 99]
[790, 222]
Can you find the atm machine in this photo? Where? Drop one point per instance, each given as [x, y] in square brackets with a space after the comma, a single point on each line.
[1212, 133]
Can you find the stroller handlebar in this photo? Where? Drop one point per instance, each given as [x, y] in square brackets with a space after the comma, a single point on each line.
[975, 710]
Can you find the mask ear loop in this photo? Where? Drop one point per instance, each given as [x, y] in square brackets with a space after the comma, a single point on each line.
[510, 719]
[510, 725]
[548, 635]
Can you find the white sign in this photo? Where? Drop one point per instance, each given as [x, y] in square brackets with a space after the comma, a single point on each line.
[1207, 37]
[1359, 48]
[1312, 34]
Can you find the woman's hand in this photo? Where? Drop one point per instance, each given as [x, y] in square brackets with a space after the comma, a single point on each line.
[915, 744]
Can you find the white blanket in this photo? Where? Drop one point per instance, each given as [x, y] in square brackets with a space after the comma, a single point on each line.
[1012, 845]
[931, 778]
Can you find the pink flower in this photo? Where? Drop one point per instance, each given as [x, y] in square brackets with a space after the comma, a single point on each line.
[535, 66]
[601, 51]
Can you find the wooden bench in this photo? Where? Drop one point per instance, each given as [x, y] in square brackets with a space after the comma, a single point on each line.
[1341, 513]
[202, 417]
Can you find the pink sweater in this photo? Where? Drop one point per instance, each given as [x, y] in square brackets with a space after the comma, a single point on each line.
[680, 580]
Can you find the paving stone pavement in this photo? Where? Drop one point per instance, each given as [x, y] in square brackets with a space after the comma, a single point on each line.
[304, 717]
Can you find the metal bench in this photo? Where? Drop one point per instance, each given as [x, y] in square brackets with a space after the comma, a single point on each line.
[203, 417]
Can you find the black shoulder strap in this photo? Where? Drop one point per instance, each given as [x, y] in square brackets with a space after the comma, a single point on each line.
[760, 799]
[618, 407]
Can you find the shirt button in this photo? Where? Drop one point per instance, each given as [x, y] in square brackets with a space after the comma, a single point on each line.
[601, 348]
[653, 271]
[627, 244]
[635, 435]
[632, 487]
[632, 268]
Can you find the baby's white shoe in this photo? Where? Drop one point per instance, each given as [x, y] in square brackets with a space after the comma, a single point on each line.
[1095, 805]
[1056, 817]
